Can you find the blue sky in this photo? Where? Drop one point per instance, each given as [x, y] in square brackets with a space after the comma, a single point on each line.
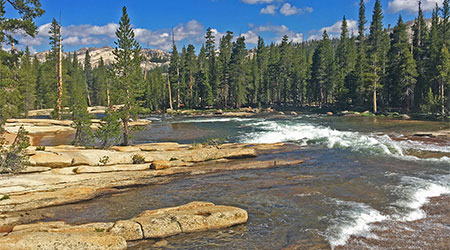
[92, 23]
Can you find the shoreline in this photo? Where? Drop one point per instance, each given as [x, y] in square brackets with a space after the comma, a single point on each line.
[57, 181]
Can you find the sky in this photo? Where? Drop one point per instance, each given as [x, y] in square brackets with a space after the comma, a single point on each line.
[92, 23]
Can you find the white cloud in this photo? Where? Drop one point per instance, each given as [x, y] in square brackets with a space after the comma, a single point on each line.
[257, 1]
[86, 34]
[251, 36]
[287, 9]
[334, 30]
[269, 9]
[412, 6]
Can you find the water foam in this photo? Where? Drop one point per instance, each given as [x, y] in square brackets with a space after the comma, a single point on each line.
[304, 133]
[417, 192]
[353, 219]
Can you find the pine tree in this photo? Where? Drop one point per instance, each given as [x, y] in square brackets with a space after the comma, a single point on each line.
[402, 71]
[345, 60]
[9, 94]
[378, 47]
[190, 69]
[445, 23]
[125, 65]
[174, 73]
[55, 57]
[224, 58]
[22, 23]
[100, 84]
[420, 32]
[262, 60]
[323, 71]
[272, 74]
[285, 68]
[205, 90]
[238, 72]
[212, 65]
[431, 58]
[78, 105]
[444, 78]
[358, 81]
[27, 83]
[89, 77]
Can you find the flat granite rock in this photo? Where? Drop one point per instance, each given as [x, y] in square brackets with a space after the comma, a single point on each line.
[151, 224]
[62, 241]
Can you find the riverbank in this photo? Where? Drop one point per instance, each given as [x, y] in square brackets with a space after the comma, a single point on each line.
[66, 174]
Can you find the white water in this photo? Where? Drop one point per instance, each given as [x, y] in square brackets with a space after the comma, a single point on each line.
[356, 218]
[417, 192]
[305, 133]
[353, 218]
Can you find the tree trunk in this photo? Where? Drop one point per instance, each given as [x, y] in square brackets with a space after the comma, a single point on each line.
[60, 82]
[375, 97]
[442, 88]
[126, 119]
[170, 92]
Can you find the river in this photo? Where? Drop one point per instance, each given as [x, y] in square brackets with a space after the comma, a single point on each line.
[365, 180]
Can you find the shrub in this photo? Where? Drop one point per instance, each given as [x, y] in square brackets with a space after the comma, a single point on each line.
[138, 159]
[40, 148]
[103, 160]
[13, 159]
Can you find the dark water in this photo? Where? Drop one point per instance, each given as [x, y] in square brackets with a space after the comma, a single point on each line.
[357, 174]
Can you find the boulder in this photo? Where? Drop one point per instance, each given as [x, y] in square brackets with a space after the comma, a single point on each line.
[294, 113]
[50, 159]
[62, 241]
[213, 153]
[192, 217]
[127, 229]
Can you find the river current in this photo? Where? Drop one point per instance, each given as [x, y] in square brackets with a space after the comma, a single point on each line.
[362, 175]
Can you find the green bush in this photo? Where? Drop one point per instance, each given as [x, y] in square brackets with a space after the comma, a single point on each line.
[138, 159]
[14, 159]
[103, 160]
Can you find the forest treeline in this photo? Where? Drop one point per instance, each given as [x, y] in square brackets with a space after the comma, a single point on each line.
[376, 69]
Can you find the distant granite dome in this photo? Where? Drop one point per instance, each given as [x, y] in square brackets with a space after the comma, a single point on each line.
[154, 58]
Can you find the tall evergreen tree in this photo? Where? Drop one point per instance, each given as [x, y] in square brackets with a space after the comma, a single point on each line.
[345, 62]
[174, 73]
[420, 32]
[205, 90]
[444, 79]
[78, 105]
[323, 71]
[402, 71]
[378, 47]
[126, 48]
[212, 61]
[224, 67]
[238, 72]
[89, 77]
[27, 81]
[262, 60]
